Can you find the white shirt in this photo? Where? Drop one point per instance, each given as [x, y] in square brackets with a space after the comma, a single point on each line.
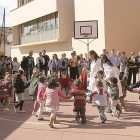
[16, 66]
[94, 68]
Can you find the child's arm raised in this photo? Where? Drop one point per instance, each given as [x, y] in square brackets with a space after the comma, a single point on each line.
[61, 95]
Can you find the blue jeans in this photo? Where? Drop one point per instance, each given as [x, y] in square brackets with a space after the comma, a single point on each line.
[102, 112]
[67, 91]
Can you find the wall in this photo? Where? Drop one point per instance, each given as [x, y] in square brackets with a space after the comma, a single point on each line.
[122, 25]
[90, 10]
[32, 10]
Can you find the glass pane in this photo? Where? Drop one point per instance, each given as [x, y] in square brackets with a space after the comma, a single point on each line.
[40, 25]
[44, 23]
[48, 22]
[35, 26]
[26, 29]
[29, 28]
[57, 20]
[32, 27]
[22, 30]
[52, 21]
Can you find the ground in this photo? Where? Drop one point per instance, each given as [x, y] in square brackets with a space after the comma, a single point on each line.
[24, 126]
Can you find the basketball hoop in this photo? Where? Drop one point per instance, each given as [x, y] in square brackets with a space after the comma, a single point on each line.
[85, 34]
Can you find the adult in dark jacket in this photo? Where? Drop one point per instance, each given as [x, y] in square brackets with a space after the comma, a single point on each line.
[24, 65]
[46, 57]
[132, 62]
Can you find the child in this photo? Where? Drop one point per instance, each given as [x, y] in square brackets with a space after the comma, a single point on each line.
[79, 101]
[100, 99]
[114, 96]
[65, 82]
[124, 88]
[53, 75]
[33, 89]
[23, 77]
[8, 67]
[41, 95]
[52, 101]
[19, 92]
[3, 70]
[100, 75]
[83, 79]
[6, 91]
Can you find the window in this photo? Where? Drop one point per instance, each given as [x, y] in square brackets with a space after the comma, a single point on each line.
[52, 21]
[40, 25]
[25, 29]
[57, 20]
[44, 23]
[48, 22]
[29, 28]
[22, 30]
[35, 26]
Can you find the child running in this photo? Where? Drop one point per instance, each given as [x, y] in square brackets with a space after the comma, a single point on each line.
[79, 101]
[100, 99]
[41, 96]
[19, 92]
[6, 92]
[52, 101]
[65, 82]
[114, 96]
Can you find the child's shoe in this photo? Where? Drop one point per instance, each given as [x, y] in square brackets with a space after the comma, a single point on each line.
[54, 121]
[77, 120]
[118, 114]
[21, 111]
[103, 121]
[5, 109]
[51, 123]
[14, 109]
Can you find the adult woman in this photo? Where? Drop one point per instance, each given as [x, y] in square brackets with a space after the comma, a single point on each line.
[40, 62]
[123, 64]
[52, 63]
[73, 66]
[62, 64]
[16, 65]
[132, 62]
[94, 68]
[81, 62]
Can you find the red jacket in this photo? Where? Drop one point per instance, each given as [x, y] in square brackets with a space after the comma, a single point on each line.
[83, 79]
[68, 80]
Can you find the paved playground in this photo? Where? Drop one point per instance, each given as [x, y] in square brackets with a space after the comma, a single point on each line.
[24, 126]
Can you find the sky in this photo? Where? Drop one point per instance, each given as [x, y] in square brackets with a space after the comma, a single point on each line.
[8, 5]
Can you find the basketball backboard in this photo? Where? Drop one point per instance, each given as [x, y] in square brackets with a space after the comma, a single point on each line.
[86, 29]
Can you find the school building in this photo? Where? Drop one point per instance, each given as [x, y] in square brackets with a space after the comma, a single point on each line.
[49, 25]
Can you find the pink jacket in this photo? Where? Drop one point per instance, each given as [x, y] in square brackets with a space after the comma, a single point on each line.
[41, 95]
[53, 96]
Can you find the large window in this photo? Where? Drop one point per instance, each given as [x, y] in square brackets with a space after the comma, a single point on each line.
[45, 23]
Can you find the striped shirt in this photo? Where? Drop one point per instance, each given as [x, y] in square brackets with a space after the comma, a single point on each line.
[79, 95]
[5, 90]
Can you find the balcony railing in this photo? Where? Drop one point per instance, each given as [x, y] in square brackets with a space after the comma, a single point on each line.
[40, 37]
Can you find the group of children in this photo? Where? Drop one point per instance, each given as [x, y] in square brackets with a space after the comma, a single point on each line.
[45, 92]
